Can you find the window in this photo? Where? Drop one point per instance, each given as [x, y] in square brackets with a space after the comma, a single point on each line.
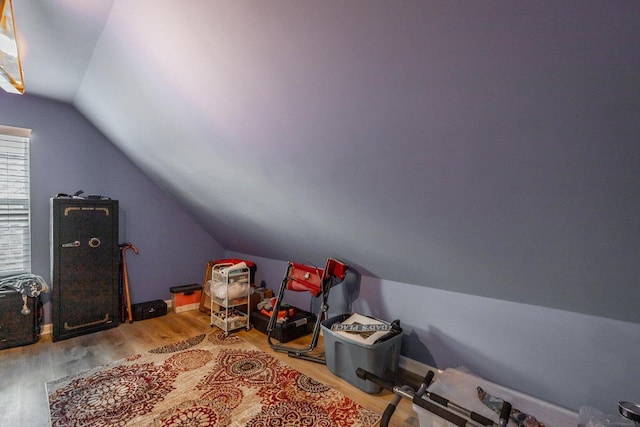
[15, 230]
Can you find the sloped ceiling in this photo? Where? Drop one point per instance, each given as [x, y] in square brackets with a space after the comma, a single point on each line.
[489, 147]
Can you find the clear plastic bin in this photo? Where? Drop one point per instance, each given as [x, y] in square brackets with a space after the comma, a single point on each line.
[460, 387]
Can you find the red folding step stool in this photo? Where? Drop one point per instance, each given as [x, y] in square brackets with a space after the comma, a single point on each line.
[318, 282]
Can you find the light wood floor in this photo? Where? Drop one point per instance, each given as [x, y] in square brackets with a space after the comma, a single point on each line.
[25, 370]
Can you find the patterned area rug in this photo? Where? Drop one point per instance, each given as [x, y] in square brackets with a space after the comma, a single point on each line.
[207, 380]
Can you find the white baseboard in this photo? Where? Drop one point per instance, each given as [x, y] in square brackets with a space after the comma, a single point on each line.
[414, 366]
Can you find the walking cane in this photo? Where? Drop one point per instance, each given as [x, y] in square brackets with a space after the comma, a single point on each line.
[125, 275]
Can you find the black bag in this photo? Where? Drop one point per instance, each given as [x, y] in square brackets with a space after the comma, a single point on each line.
[148, 310]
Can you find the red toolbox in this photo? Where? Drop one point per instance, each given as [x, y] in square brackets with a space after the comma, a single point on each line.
[299, 324]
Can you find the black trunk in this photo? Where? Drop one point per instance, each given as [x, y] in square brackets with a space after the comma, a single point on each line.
[20, 319]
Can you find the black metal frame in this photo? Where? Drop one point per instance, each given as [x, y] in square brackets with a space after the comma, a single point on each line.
[330, 277]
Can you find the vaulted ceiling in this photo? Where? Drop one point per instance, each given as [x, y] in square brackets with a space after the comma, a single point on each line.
[483, 147]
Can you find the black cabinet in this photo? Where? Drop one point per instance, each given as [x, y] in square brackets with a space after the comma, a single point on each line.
[20, 319]
[84, 270]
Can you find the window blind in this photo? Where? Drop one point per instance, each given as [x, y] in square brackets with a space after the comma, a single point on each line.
[15, 230]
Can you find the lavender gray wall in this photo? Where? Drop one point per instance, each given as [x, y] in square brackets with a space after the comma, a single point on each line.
[488, 148]
[69, 154]
[569, 359]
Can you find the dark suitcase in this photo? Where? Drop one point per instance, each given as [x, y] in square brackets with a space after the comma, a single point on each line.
[19, 326]
[298, 325]
[148, 310]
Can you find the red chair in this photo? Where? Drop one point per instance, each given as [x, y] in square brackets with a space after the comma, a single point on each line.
[318, 282]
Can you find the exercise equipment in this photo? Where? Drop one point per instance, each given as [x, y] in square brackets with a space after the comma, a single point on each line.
[440, 406]
[316, 281]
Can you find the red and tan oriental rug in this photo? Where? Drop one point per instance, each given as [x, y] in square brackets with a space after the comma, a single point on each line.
[207, 380]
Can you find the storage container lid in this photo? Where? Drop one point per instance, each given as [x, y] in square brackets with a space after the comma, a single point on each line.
[185, 288]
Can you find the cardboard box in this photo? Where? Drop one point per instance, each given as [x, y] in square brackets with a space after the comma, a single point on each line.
[257, 296]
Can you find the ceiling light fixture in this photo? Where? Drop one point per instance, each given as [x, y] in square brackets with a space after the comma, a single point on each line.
[11, 78]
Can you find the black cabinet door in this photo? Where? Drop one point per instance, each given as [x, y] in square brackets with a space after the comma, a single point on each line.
[84, 243]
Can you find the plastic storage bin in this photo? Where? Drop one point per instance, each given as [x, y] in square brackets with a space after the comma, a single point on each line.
[344, 356]
[185, 297]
